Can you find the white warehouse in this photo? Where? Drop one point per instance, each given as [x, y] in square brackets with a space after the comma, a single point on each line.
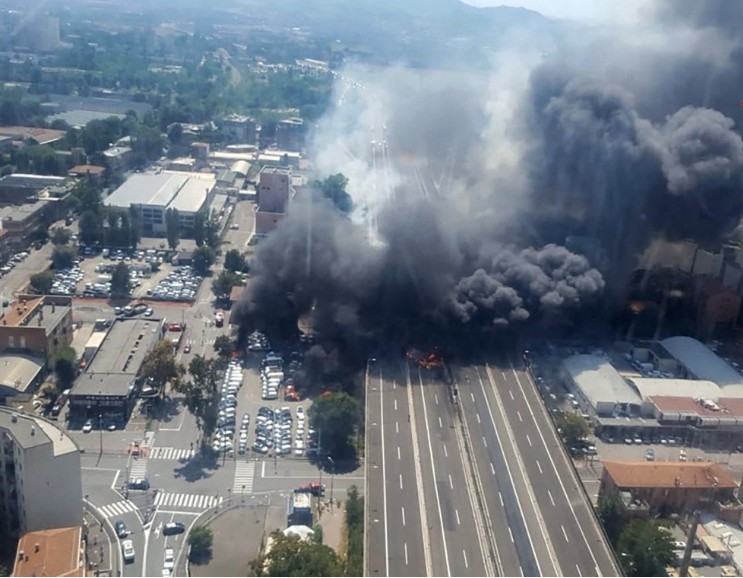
[152, 195]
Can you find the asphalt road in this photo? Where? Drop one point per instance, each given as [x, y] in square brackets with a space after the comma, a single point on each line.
[423, 521]
[558, 533]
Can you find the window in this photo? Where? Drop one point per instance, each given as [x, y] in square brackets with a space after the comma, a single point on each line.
[23, 342]
[11, 341]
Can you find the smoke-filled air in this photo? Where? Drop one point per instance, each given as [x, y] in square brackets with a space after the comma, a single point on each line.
[521, 196]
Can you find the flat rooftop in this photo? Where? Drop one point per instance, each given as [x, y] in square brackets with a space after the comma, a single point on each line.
[276, 170]
[30, 431]
[116, 363]
[35, 312]
[192, 195]
[24, 180]
[18, 371]
[599, 381]
[166, 190]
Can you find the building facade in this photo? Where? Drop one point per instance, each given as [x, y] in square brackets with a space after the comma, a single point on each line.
[238, 128]
[40, 482]
[290, 134]
[36, 325]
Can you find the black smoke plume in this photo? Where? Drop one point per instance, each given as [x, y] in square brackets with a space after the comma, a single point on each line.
[485, 205]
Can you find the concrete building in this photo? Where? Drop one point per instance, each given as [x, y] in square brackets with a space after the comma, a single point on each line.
[22, 221]
[152, 195]
[200, 150]
[108, 388]
[274, 190]
[31, 135]
[40, 485]
[20, 188]
[36, 325]
[93, 173]
[598, 387]
[275, 158]
[238, 128]
[672, 487]
[57, 552]
[290, 134]
[118, 157]
[19, 374]
[697, 361]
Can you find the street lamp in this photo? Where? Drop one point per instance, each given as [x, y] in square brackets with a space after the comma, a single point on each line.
[332, 479]
[100, 432]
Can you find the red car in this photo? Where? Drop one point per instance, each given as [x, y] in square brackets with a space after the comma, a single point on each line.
[187, 349]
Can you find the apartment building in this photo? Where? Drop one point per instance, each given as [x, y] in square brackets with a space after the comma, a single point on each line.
[38, 464]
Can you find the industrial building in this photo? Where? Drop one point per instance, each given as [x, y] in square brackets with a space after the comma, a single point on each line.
[40, 485]
[20, 188]
[675, 389]
[107, 390]
[290, 134]
[238, 128]
[152, 195]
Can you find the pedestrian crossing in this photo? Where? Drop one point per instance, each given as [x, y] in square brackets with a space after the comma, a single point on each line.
[200, 341]
[117, 509]
[168, 453]
[190, 501]
[244, 474]
[138, 469]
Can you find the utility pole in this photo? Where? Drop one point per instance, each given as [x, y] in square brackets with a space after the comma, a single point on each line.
[684, 569]
[332, 479]
[100, 433]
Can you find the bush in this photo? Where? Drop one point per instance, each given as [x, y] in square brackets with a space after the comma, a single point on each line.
[200, 540]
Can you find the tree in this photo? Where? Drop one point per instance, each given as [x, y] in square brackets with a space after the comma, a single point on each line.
[200, 539]
[334, 189]
[235, 261]
[574, 427]
[355, 533]
[201, 394]
[61, 236]
[41, 283]
[91, 228]
[203, 258]
[199, 228]
[63, 257]
[223, 346]
[172, 227]
[120, 280]
[335, 417]
[224, 282]
[609, 512]
[645, 549]
[292, 556]
[86, 197]
[65, 366]
[160, 366]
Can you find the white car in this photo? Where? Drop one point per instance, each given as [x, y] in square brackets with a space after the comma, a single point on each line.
[169, 563]
[127, 549]
[88, 426]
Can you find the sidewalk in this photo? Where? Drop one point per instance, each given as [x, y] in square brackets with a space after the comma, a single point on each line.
[98, 546]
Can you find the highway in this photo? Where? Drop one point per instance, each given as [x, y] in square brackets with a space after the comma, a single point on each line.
[561, 530]
[421, 515]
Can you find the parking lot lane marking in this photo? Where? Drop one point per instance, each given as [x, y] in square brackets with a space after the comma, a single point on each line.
[564, 533]
[456, 512]
[403, 515]
[466, 564]
[539, 467]
[528, 439]
[551, 498]
[451, 483]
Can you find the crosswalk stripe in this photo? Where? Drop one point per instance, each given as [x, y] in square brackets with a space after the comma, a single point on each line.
[138, 469]
[187, 501]
[244, 474]
[170, 453]
[117, 508]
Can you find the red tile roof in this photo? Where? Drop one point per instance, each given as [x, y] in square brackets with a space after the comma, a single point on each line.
[642, 474]
[58, 553]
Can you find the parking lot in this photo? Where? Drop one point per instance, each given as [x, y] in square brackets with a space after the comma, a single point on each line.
[253, 417]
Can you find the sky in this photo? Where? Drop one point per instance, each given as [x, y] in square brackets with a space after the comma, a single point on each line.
[604, 12]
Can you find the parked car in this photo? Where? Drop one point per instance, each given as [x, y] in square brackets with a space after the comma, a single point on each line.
[88, 426]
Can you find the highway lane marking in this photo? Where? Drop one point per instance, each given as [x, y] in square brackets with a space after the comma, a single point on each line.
[551, 498]
[528, 439]
[406, 553]
[466, 564]
[472, 395]
[441, 425]
[501, 498]
[577, 569]
[456, 512]
[503, 373]
[510, 392]
[484, 441]
[401, 481]
[539, 467]
[518, 413]
[436, 398]
[403, 515]
[384, 485]
[446, 454]
[398, 453]
[510, 533]
[492, 469]
[564, 533]
[478, 418]
[451, 483]
[395, 405]
[397, 427]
